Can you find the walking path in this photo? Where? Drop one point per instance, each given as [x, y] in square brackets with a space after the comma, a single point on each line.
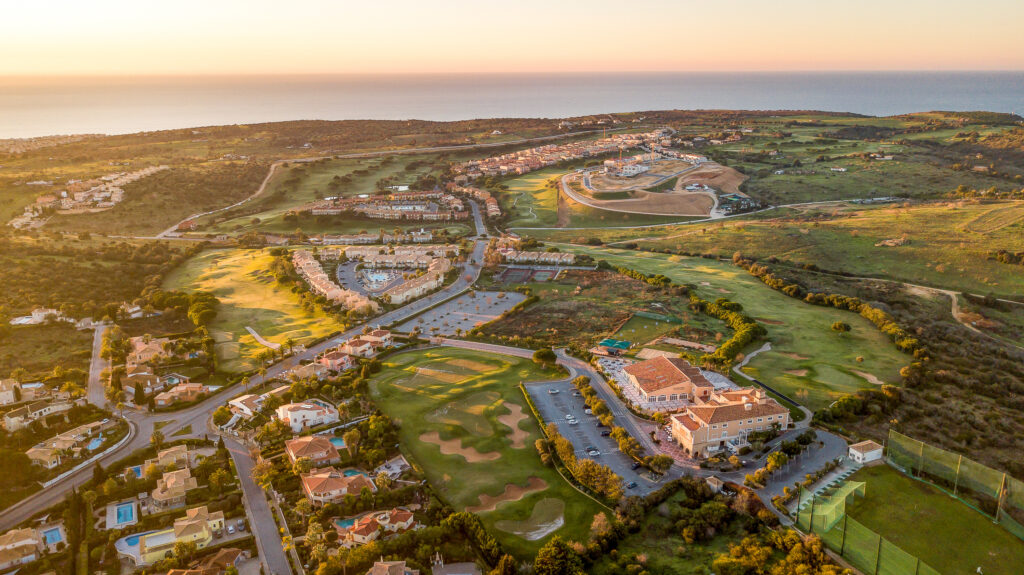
[261, 340]
[97, 364]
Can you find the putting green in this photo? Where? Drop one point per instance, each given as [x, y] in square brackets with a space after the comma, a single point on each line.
[547, 516]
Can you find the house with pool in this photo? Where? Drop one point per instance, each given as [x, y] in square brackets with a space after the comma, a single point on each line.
[317, 448]
[18, 547]
[329, 485]
[198, 526]
[78, 442]
[307, 414]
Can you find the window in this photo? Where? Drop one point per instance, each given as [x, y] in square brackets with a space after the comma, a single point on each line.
[714, 426]
[759, 420]
[725, 434]
[769, 418]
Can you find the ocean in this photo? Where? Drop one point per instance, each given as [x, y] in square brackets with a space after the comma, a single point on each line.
[48, 106]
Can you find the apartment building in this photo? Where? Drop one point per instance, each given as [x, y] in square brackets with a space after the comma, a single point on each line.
[723, 421]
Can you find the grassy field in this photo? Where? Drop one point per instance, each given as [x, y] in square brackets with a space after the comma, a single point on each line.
[40, 348]
[535, 203]
[463, 399]
[249, 296]
[808, 361]
[641, 330]
[604, 301]
[946, 244]
[927, 523]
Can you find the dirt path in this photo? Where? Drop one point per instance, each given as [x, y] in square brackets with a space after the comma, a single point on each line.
[261, 340]
[454, 447]
[512, 492]
[511, 420]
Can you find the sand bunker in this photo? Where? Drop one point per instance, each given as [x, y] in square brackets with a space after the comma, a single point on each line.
[797, 372]
[512, 419]
[769, 321]
[512, 492]
[445, 376]
[793, 355]
[454, 447]
[547, 517]
[869, 377]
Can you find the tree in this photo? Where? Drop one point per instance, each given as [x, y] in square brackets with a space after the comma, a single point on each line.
[152, 472]
[302, 465]
[263, 474]
[841, 327]
[352, 439]
[506, 566]
[140, 393]
[110, 487]
[183, 551]
[219, 479]
[221, 416]
[545, 356]
[304, 508]
[557, 558]
[156, 439]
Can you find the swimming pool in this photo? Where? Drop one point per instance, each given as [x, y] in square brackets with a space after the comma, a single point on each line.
[345, 523]
[338, 442]
[133, 540]
[95, 442]
[125, 513]
[53, 536]
[351, 472]
[137, 470]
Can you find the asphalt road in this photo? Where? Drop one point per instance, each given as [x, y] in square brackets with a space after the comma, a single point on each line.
[586, 433]
[96, 366]
[261, 518]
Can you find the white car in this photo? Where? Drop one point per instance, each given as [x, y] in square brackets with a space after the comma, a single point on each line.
[570, 416]
[574, 422]
[231, 529]
[588, 411]
[553, 391]
[593, 453]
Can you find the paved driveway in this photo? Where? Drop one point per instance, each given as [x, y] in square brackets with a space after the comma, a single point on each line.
[261, 519]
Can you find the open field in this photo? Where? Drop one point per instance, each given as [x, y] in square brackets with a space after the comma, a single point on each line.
[530, 201]
[606, 300]
[250, 297]
[941, 531]
[800, 333]
[940, 247]
[641, 330]
[40, 348]
[457, 428]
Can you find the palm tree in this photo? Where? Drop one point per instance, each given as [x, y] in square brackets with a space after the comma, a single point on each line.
[291, 344]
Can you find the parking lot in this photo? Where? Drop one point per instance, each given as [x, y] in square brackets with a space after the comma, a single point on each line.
[464, 312]
[554, 407]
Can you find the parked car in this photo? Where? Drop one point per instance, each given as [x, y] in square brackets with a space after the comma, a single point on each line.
[593, 453]
[632, 485]
[574, 422]
[636, 465]
[605, 433]
[231, 529]
[588, 411]
[241, 525]
[553, 391]
[570, 416]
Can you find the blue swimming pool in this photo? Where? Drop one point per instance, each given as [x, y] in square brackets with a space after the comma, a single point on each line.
[133, 540]
[351, 472]
[345, 523]
[53, 536]
[137, 470]
[95, 442]
[338, 442]
[125, 513]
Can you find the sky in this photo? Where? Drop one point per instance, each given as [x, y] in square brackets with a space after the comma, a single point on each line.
[133, 37]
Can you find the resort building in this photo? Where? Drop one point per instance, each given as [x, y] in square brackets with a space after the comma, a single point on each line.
[664, 380]
[319, 282]
[316, 448]
[183, 392]
[370, 527]
[724, 419]
[420, 285]
[336, 360]
[379, 338]
[197, 526]
[358, 347]
[18, 547]
[391, 568]
[171, 489]
[307, 414]
[328, 485]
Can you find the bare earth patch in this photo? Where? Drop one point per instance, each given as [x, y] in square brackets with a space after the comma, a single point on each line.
[794, 355]
[512, 420]
[547, 517]
[769, 321]
[512, 492]
[454, 447]
[445, 376]
[797, 372]
[470, 364]
[869, 377]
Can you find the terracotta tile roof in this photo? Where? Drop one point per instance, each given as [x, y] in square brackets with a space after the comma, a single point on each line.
[328, 480]
[662, 372]
[686, 421]
[711, 414]
[865, 446]
[365, 526]
[310, 446]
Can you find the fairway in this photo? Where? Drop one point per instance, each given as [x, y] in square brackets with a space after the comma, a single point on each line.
[530, 201]
[927, 523]
[249, 297]
[642, 330]
[808, 361]
[475, 445]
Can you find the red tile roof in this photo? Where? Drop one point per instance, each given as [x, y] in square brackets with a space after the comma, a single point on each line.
[662, 372]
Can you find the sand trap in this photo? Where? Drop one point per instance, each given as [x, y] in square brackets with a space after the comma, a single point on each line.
[454, 447]
[769, 321]
[445, 376]
[869, 377]
[512, 420]
[793, 355]
[547, 517]
[512, 492]
[797, 372]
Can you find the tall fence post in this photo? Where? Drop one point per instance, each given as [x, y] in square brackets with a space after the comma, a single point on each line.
[842, 546]
[878, 555]
[810, 518]
[1001, 497]
[920, 459]
[956, 481]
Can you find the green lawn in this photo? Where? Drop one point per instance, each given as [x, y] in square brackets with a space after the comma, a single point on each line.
[927, 523]
[460, 394]
[249, 296]
[535, 203]
[641, 330]
[808, 361]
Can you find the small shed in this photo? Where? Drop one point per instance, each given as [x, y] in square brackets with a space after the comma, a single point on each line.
[865, 452]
